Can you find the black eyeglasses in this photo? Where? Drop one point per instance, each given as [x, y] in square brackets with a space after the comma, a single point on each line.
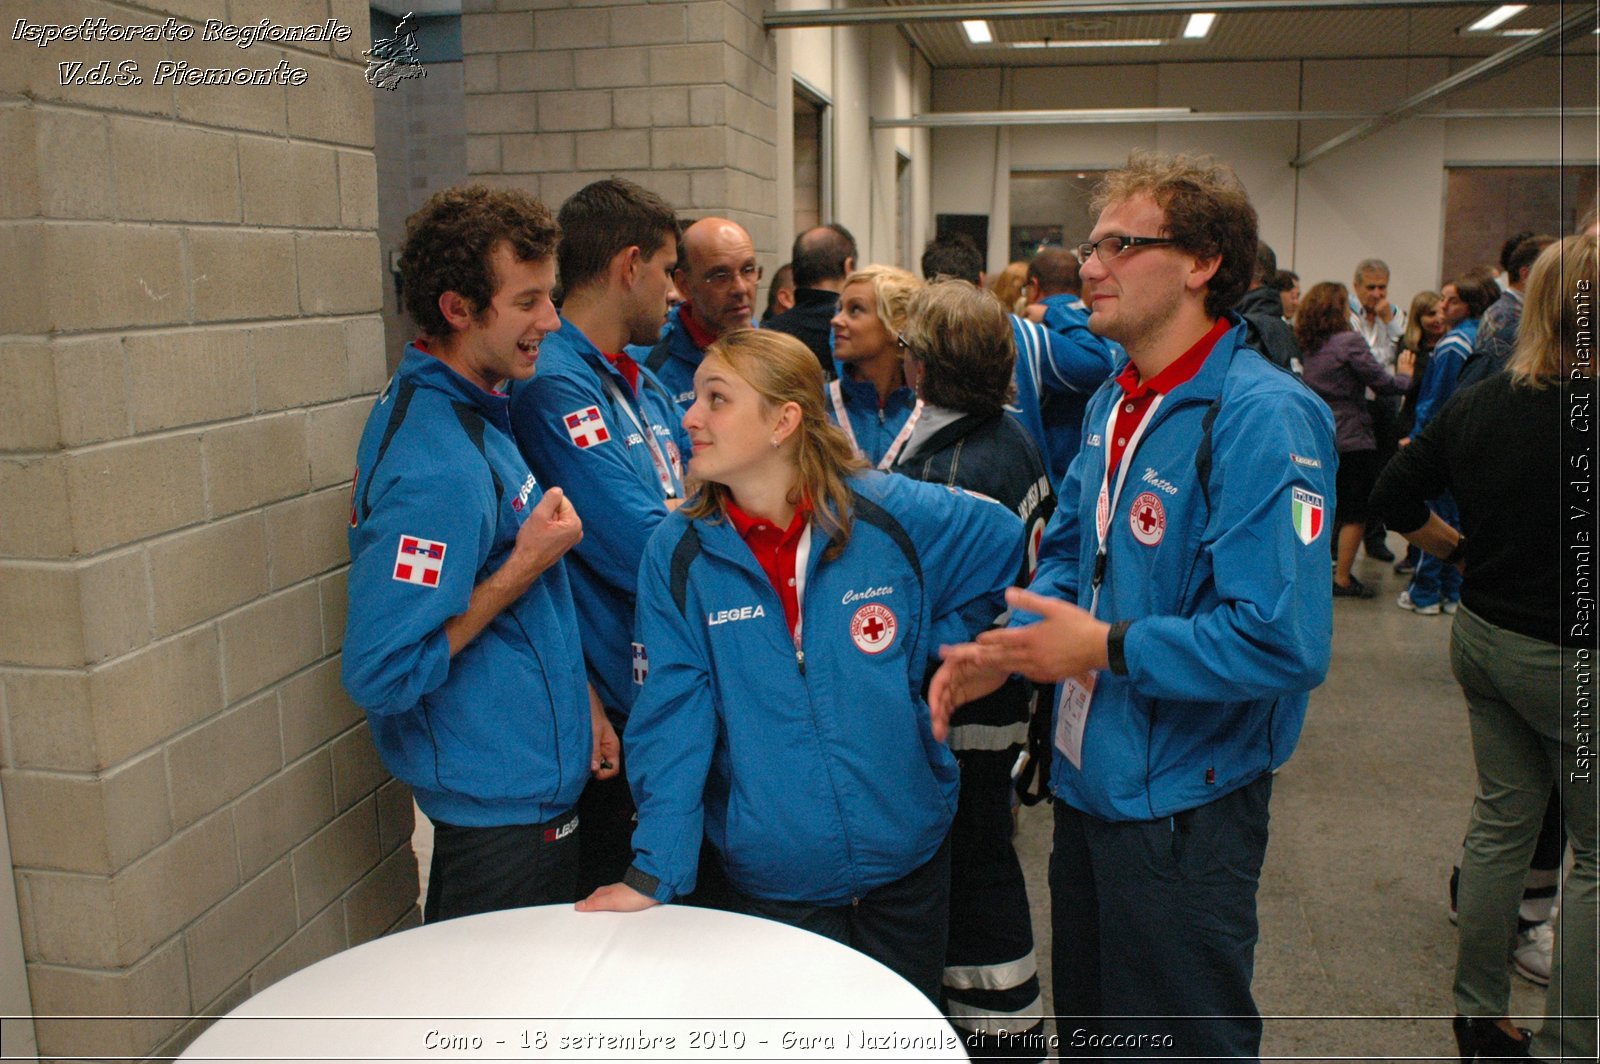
[905, 345]
[722, 277]
[1109, 247]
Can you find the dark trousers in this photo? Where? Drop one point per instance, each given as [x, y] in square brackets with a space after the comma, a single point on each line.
[480, 870]
[901, 925]
[991, 979]
[608, 822]
[1154, 925]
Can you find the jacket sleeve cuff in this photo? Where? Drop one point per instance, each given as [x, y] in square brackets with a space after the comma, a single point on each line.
[646, 884]
[1116, 647]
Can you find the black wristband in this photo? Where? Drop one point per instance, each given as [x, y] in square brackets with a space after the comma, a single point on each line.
[1458, 552]
[642, 882]
[1114, 647]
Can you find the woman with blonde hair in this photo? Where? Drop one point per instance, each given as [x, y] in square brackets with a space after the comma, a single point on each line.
[1497, 447]
[1008, 286]
[789, 611]
[871, 401]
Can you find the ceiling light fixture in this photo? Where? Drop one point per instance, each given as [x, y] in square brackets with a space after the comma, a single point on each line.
[1503, 13]
[1199, 25]
[977, 31]
[1127, 42]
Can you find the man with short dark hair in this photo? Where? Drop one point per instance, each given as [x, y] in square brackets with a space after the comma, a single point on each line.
[780, 296]
[608, 432]
[1262, 309]
[717, 274]
[1497, 330]
[1185, 661]
[1081, 360]
[822, 258]
[460, 611]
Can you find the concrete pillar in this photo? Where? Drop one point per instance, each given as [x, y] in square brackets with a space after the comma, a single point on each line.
[188, 346]
[678, 96]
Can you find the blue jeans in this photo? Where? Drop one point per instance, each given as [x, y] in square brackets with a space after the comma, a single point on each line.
[1434, 581]
[1154, 928]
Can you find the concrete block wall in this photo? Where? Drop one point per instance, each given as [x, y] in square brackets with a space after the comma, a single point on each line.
[189, 343]
[678, 96]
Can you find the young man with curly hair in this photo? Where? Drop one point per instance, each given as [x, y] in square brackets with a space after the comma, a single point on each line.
[461, 640]
[1182, 602]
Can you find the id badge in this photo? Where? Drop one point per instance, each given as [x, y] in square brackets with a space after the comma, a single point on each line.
[1072, 715]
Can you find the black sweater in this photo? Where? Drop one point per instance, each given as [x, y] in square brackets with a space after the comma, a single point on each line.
[1497, 448]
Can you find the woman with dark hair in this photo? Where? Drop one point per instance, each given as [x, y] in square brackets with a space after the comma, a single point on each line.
[1435, 587]
[788, 612]
[959, 355]
[1496, 447]
[1339, 367]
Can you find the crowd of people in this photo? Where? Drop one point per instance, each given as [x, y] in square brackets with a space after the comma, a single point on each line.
[782, 619]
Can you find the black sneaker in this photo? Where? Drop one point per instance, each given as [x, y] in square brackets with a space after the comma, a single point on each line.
[1379, 551]
[1355, 589]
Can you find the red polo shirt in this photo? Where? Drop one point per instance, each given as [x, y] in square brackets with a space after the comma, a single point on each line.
[1137, 397]
[776, 550]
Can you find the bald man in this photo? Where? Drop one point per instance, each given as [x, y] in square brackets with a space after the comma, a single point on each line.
[717, 275]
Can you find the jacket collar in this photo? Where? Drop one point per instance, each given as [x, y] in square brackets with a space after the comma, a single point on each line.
[431, 372]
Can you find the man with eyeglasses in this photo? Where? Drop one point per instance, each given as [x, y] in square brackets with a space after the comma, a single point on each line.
[607, 432]
[823, 257]
[717, 275]
[1182, 601]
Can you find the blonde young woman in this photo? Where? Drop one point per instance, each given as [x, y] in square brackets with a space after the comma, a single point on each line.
[789, 611]
[1498, 448]
[871, 402]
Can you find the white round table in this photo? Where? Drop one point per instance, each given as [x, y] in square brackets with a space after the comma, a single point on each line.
[670, 983]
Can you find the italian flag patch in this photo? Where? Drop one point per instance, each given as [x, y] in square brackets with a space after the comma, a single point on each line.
[1309, 515]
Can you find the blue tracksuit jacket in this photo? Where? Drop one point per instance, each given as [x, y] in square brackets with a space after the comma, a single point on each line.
[815, 774]
[1230, 602]
[1440, 379]
[610, 477]
[499, 734]
[1059, 374]
[874, 427]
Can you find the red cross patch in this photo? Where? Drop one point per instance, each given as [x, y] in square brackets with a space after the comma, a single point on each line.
[1148, 519]
[872, 628]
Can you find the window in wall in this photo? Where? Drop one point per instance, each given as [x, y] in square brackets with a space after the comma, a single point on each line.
[1049, 207]
[813, 198]
[1484, 205]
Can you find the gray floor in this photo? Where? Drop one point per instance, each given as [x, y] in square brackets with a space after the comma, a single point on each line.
[1356, 952]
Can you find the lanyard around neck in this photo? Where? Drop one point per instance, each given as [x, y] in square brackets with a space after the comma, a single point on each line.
[836, 393]
[669, 489]
[1107, 503]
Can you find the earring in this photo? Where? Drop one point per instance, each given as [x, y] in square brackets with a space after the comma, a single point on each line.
[774, 443]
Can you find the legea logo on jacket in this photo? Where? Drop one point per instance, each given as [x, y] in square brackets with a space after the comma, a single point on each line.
[741, 613]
